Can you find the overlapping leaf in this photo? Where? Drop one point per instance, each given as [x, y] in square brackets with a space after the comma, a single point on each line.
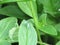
[27, 34]
[43, 18]
[13, 10]
[6, 25]
[26, 7]
[45, 27]
[49, 29]
[30, 8]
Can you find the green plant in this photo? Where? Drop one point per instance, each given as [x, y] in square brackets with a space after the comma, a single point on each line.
[28, 20]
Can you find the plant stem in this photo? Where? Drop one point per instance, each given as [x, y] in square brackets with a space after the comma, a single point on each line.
[35, 17]
[39, 37]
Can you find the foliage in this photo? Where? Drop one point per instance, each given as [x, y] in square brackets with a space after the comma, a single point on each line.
[27, 20]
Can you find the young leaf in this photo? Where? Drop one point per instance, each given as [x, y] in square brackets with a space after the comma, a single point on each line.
[27, 34]
[43, 18]
[58, 43]
[5, 25]
[49, 29]
[46, 19]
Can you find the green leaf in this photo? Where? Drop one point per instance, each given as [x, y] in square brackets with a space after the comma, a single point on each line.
[49, 29]
[30, 8]
[58, 43]
[4, 42]
[13, 10]
[45, 19]
[5, 25]
[27, 34]
[26, 7]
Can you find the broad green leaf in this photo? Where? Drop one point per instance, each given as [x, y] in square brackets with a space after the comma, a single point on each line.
[27, 34]
[4, 42]
[58, 43]
[26, 7]
[49, 29]
[30, 8]
[5, 25]
[13, 10]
